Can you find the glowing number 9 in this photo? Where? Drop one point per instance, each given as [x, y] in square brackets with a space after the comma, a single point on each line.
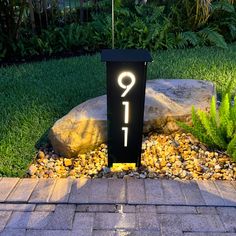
[124, 86]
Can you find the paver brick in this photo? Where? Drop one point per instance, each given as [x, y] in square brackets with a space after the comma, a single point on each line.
[6, 186]
[138, 233]
[227, 191]
[146, 208]
[98, 191]
[192, 193]
[96, 208]
[17, 207]
[62, 218]
[117, 191]
[202, 223]
[61, 191]
[125, 208]
[114, 221]
[172, 192]
[22, 190]
[13, 232]
[148, 221]
[45, 207]
[83, 221]
[154, 191]
[228, 217]
[42, 191]
[49, 233]
[82, 232]
[170, 225]
[210, 193]
[135, 191]
[80, 191]
[4, 217]
[28, 220]
[209, 234]
[206, 210]
[104, 233]
[175, 210]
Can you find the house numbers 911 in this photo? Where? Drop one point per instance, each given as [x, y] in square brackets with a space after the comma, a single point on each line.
[126, 80]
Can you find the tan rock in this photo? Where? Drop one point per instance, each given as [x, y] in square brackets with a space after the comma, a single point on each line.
[32, 169]
[67, 162]
[85, 126]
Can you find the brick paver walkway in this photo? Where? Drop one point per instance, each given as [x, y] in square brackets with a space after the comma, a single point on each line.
[104, 207]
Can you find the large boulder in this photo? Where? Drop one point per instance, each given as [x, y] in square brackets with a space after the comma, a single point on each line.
[166, 100]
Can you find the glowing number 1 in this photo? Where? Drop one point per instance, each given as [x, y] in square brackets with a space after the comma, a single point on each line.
[124, 86]
[125, 136]
[126, 118]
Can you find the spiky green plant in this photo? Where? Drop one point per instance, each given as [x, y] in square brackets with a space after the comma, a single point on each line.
[216, 128]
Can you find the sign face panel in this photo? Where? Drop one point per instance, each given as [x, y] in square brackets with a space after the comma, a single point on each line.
[125, 108]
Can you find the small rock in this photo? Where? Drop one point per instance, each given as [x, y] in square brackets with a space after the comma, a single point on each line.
[32, 169]
[41, 155]
[67, 162]
[142, 176]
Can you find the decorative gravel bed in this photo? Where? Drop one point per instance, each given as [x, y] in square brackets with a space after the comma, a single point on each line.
[176, 156]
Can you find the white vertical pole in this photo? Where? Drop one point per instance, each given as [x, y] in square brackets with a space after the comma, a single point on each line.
[113, 24]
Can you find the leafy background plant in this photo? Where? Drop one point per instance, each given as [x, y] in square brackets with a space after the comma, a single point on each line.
[37, 28]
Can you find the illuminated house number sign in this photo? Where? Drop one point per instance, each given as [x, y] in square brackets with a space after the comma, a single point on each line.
[126, 80]
[126, 88]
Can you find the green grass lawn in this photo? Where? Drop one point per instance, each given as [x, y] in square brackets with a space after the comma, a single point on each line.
[34, 96]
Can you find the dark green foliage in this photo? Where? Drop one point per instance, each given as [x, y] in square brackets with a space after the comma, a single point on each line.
[217, 128]
[156, 25]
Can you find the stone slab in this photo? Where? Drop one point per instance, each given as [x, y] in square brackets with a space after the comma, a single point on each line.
[45, 207]
[28, 220]
[170, 225]
[98, 191]
[42, 191]
[13, 232]
[96, 208]
[154, 191]
[172, 192]
[120, 208]
[192, 193]
[146, 209]
[22, 190]
[135, 191]
[4, 217]
[175, 210]
[227, 191]
[210, 193]
[82, 232]
[6, 186]
[209, 234]
[117, 191]
[62, 218]
[114, 221]
[80, 191]
[17, 207]
[202, 223]
[206, 210]
[148, 221]
[228, 217]
[49, 233]
[61, 191]
[83, 221]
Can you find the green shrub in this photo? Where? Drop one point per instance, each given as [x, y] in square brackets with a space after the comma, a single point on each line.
[217, 129]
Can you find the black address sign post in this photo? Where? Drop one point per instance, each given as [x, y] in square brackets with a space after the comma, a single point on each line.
[126, 82]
